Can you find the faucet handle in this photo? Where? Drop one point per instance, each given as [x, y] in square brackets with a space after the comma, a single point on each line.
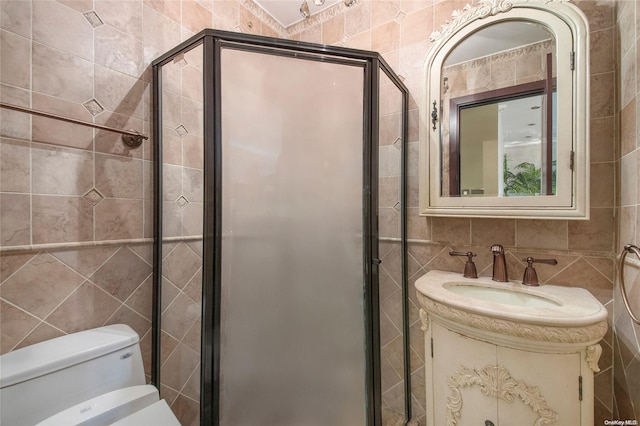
[530, 276]
[500, 273]
[469, 267]
[497, 249]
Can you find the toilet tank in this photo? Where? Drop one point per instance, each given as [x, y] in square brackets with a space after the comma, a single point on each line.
[40, 380]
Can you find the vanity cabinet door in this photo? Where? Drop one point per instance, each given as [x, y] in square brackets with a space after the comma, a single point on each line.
[456, 393]
[473, 381]
[543, 384]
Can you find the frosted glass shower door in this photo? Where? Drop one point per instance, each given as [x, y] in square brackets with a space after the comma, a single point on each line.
[292, 328]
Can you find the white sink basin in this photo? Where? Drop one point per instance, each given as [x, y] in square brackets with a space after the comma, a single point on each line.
[501, 295]
[546, 305]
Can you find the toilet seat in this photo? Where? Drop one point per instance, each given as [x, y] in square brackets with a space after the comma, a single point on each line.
[156, 414]
[117, 406]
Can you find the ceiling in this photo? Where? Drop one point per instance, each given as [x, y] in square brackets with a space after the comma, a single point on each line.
[287, 12]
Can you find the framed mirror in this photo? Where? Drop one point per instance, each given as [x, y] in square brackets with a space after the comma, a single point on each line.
[508, 99]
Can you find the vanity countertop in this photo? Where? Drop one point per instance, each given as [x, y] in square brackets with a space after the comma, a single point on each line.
[545, 305]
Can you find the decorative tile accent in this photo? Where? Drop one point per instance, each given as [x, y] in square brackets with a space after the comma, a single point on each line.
[397, 144]
[400, 17]
[93, 197]
[93, 106]
[182, 202]
[93, 18]
[182, 131]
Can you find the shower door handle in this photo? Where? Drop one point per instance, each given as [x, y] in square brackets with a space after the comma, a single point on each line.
[376, 261]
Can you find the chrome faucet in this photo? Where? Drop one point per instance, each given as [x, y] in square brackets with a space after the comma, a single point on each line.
[499, 264]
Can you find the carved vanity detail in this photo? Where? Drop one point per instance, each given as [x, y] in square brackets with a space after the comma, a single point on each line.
[503, 354]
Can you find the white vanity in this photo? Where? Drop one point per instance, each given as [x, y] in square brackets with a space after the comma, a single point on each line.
[506, 354]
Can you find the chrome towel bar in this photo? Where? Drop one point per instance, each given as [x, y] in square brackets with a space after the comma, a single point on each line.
[627, 249]
[131, 138]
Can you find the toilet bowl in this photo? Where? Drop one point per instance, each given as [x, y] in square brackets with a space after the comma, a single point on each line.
[93, 377]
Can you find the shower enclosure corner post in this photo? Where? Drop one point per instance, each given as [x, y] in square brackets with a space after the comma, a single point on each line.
[212, 238]
[370, 200]
[157, 225]
[405, 253]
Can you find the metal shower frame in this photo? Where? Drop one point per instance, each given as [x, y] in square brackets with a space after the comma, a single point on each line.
[213, 41]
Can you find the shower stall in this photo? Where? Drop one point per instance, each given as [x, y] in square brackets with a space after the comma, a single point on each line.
[280, 283]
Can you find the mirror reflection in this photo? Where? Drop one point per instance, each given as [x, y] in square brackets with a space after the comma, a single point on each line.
[498, 113]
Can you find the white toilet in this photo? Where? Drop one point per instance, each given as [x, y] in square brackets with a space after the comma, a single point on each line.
[93, 377]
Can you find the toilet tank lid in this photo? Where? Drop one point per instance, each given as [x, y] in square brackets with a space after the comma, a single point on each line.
[52, 355]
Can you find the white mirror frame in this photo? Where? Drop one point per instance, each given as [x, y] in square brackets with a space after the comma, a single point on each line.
[574, 204]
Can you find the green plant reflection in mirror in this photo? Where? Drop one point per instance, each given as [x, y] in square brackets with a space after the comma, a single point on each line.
[511, 130]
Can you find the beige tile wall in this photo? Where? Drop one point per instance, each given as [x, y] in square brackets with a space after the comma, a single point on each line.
[61, 184]
[75, 203]
[48, 293]
[626, 356]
